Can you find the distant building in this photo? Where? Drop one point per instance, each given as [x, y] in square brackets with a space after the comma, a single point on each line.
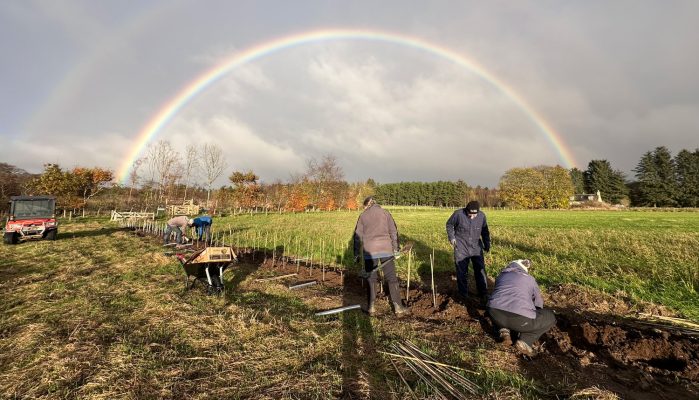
[581, 198]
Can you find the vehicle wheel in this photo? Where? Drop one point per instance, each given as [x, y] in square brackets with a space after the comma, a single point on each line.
[51, 235]
[10, 238]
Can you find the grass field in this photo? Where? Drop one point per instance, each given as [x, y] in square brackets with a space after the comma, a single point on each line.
[651, 256]
[101, 313]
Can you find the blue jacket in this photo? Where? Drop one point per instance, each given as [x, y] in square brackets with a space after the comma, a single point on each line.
[200, 223]
[472, 235]
[516, 291]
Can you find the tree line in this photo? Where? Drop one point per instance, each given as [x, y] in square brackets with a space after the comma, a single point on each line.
[163, 175]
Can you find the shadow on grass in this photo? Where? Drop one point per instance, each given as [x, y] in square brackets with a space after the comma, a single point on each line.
[361, 370]
[92, 233]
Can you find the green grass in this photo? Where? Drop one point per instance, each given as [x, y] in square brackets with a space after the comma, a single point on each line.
[102, 314]
[649, 256]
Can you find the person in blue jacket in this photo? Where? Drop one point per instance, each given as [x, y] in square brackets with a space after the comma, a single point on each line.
[467, 230]
[203, 225]
[516, 304]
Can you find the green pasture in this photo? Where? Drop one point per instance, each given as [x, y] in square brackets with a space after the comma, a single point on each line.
[645, 255]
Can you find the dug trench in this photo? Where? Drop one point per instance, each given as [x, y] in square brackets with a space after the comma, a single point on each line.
[591, 346]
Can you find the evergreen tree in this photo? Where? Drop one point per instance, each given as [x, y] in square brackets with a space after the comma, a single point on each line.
[656, 178]
[578, 178]
[687, 173]
[610, 183]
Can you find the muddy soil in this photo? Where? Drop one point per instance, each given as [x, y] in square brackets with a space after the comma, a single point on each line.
[597, 342]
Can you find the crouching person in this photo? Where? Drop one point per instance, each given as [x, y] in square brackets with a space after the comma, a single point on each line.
[516, 305]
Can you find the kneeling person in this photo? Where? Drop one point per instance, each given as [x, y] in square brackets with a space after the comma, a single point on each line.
[516, 304]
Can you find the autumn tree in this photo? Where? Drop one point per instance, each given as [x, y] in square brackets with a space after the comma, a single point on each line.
[246, 189]
[521, 188]
[539, 187]
[88, 182]
[326, 178]
[11, 181]
[557, 188]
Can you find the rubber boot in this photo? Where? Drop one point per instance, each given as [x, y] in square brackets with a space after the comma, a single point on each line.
[400, 309]
[371, 298]
[371, 309]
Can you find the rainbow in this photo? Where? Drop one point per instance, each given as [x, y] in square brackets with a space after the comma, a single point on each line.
[168, 111]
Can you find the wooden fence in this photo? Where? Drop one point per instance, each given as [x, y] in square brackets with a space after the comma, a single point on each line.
[122, 215]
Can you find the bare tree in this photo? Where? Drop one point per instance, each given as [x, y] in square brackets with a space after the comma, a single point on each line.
[213, 165]
[133, 175]
[162, 161]
[191, 163]
[325, 175]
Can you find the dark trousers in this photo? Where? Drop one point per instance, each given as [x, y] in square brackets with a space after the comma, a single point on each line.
[478, 272]
[530, 330]
[388, 267]
[204, 232]
[169, 230]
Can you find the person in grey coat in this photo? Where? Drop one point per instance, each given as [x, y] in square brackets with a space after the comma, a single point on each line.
[377, 235]
[467, 230]
[177, 225]
[516, 305]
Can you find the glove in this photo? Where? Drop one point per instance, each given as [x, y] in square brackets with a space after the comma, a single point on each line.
[453, 243]
[486, 249]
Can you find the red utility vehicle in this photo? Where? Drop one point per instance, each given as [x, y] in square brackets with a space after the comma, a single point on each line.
[31, 217]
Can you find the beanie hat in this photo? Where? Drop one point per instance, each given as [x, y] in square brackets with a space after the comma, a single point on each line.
[526, 264]
[472, 207]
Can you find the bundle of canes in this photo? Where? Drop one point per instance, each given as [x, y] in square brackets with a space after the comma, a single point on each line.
[442, 379]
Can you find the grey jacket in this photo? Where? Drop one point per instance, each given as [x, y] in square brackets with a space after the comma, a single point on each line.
[468, 233]
[377, 231]
[180, 222]
[516, 291]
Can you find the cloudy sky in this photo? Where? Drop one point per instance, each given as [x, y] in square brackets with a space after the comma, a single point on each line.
[80, 80]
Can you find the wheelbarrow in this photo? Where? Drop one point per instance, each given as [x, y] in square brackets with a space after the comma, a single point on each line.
[207, 266]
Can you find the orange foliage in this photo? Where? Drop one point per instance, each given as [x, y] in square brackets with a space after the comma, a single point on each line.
[298, 199]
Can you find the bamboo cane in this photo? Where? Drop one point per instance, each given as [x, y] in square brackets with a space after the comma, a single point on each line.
[434, 296]
[407, 287]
